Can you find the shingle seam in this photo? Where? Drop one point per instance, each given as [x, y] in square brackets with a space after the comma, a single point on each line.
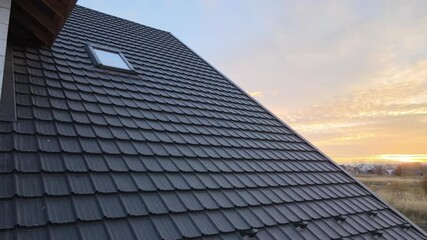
[126, 75]
[151, 67]
[189, 155]
[231, 122]
[203, 112]
[134, 231]
[187, 69]
[88, 11]
[210, 105]
[151, 214]
[154, 42]
[183, 86]
[185, 97]
[89, 170]
[183, 156]
[192, 155]
[198, 89]
[141, 118]
[141, 191]
[279, 163]
[137, 114]
[50, 224]
[231, 127]
[128, 88]
[280, 145]
[181, 133]
[206, 83]
[150, 58]
[279, 225]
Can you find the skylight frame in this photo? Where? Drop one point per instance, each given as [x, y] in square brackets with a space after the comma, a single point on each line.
[98, 63]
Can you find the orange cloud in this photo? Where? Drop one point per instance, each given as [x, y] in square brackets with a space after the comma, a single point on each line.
[388, 115]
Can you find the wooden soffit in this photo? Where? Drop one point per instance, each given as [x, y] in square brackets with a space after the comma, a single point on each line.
[38, 22]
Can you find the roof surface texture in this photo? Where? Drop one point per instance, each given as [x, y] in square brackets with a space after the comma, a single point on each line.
[175, 151]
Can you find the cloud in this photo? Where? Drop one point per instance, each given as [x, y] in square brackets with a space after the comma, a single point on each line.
[312, 51]
[386, 116]
[350, 76]
[257, 94]
[401, 92]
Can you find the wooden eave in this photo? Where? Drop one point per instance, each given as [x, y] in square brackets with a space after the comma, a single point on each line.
[38, 22]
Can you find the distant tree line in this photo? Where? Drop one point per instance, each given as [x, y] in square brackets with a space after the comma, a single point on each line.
[410, 169]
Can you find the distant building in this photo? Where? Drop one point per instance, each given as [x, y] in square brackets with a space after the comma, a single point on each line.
[351, 169]
[389, 171]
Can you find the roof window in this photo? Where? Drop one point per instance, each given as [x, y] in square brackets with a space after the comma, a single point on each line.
[109, 58]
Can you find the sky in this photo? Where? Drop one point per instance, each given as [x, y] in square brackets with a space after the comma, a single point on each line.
[350, 76]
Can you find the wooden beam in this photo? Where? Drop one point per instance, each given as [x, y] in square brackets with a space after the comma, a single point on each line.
[22, 17]
[42, 20]
[38, 15]
[69, 6]
[59, 7]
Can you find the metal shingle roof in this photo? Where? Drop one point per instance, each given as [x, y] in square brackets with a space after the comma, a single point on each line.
[176, 151]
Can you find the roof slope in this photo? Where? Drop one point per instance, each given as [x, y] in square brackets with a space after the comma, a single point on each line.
[175, 151]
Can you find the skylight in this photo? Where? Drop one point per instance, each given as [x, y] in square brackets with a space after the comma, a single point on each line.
[109, 58]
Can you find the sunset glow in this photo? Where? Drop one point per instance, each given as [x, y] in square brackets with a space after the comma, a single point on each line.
[384, 158]
[350, 76]
[403, 157]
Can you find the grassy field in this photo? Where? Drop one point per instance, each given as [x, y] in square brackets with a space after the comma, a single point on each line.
[403, 193]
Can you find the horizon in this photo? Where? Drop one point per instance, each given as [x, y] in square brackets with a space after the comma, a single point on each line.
[383, 160]
[349, 76]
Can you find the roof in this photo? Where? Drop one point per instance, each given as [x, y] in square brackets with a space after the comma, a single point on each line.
[174, 151]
